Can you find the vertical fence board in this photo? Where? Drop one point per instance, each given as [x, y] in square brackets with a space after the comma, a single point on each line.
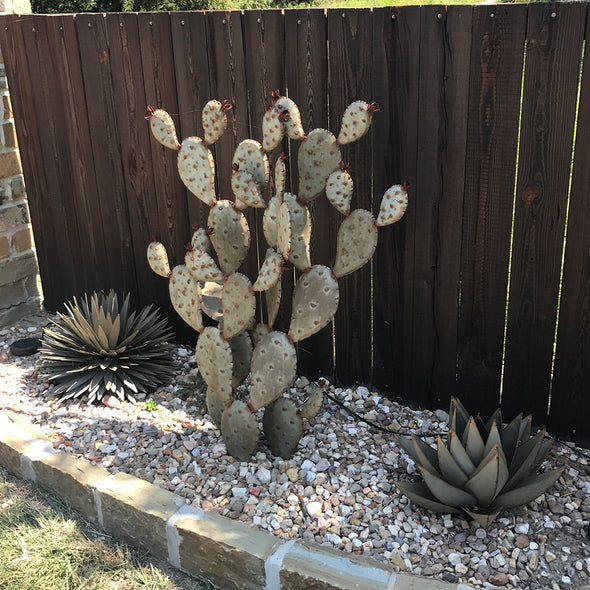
[494, 107]
[306, 70]
[112, 213]
[227, 79]
[263, 39]
[455, 89]
[124, 98]
[396, 67]
[554, 45]
[350, 50]
[427, 194]
[76, 163]
[160, 88]
[16, 52]
[569, 413]
[191, 71]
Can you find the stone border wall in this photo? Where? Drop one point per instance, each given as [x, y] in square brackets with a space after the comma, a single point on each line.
[20, 286]
[229, 553]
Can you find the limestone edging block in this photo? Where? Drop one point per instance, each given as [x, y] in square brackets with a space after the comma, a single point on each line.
[137, 511]
[72, 479]
[15, 441]
[229, 553]
[315, 567]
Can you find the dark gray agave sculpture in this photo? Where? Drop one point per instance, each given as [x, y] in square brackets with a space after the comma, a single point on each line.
[481, 469]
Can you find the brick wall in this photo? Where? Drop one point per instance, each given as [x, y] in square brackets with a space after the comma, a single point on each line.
[20, 287]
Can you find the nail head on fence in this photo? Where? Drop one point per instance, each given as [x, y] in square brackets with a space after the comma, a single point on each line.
[553, 14]
[223, 22]
[182, 23]
[492, 15]
[258, 20]
[298, 22]
[439, 16]
[343, 15]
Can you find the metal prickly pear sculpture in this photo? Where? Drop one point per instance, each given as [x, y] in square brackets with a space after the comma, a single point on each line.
[209, 281]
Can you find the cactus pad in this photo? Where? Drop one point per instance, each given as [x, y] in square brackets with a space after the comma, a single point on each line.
[272, 130]
[213, 356]
[197, 169]
[356, 243]
[280, 175]
[202, 266]
[211, 299]
[239, 305]
[241, 350]
[246, 190]
[284, 231]
[273, 302]
[214, 120]
[393, 205]
[163, 129]
[200, 240]
[292, 117]
[355, 122]
[185, 297]
[300, 232]
[250, 157]
[240, 431]
[215, 406]
[158, 259]
[282, 427]
[313, 404]
[318, 157]
[315, 301]
[270, 222]
[274, 364]
[230, 237]
[270, 271]
[258, 332]
[339, 189]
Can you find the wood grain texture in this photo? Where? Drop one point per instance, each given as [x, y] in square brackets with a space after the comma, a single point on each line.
[395, 87]
[492, 136]
[554, 46]
[350, 50]
[14, 51]
[306, 74]
[569, 413]
[449, 211]
[191, 71]
[124, 98]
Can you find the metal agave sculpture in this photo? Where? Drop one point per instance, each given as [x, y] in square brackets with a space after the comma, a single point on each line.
[99, 348]
[481, 469]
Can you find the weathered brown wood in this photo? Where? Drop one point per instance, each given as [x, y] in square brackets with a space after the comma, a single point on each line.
[123, 94]
[160, 89]
[191, 71]
[427, 195]
[14, 51]
[569, 413]
[306, 72]
[227, 81]
[396, 67]
[61, 213]
[449, 211]
[492, 136]
[350, 50]
[554, 44]
[263, 36]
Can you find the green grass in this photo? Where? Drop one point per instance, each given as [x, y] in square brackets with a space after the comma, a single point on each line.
[45, 546]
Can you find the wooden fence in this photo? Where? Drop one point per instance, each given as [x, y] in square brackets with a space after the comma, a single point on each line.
[480, 107]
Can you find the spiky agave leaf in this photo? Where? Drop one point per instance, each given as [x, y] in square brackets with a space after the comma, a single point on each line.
[101, 347]
[481, 469]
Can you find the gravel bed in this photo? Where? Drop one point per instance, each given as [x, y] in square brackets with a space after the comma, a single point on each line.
[337, 489]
